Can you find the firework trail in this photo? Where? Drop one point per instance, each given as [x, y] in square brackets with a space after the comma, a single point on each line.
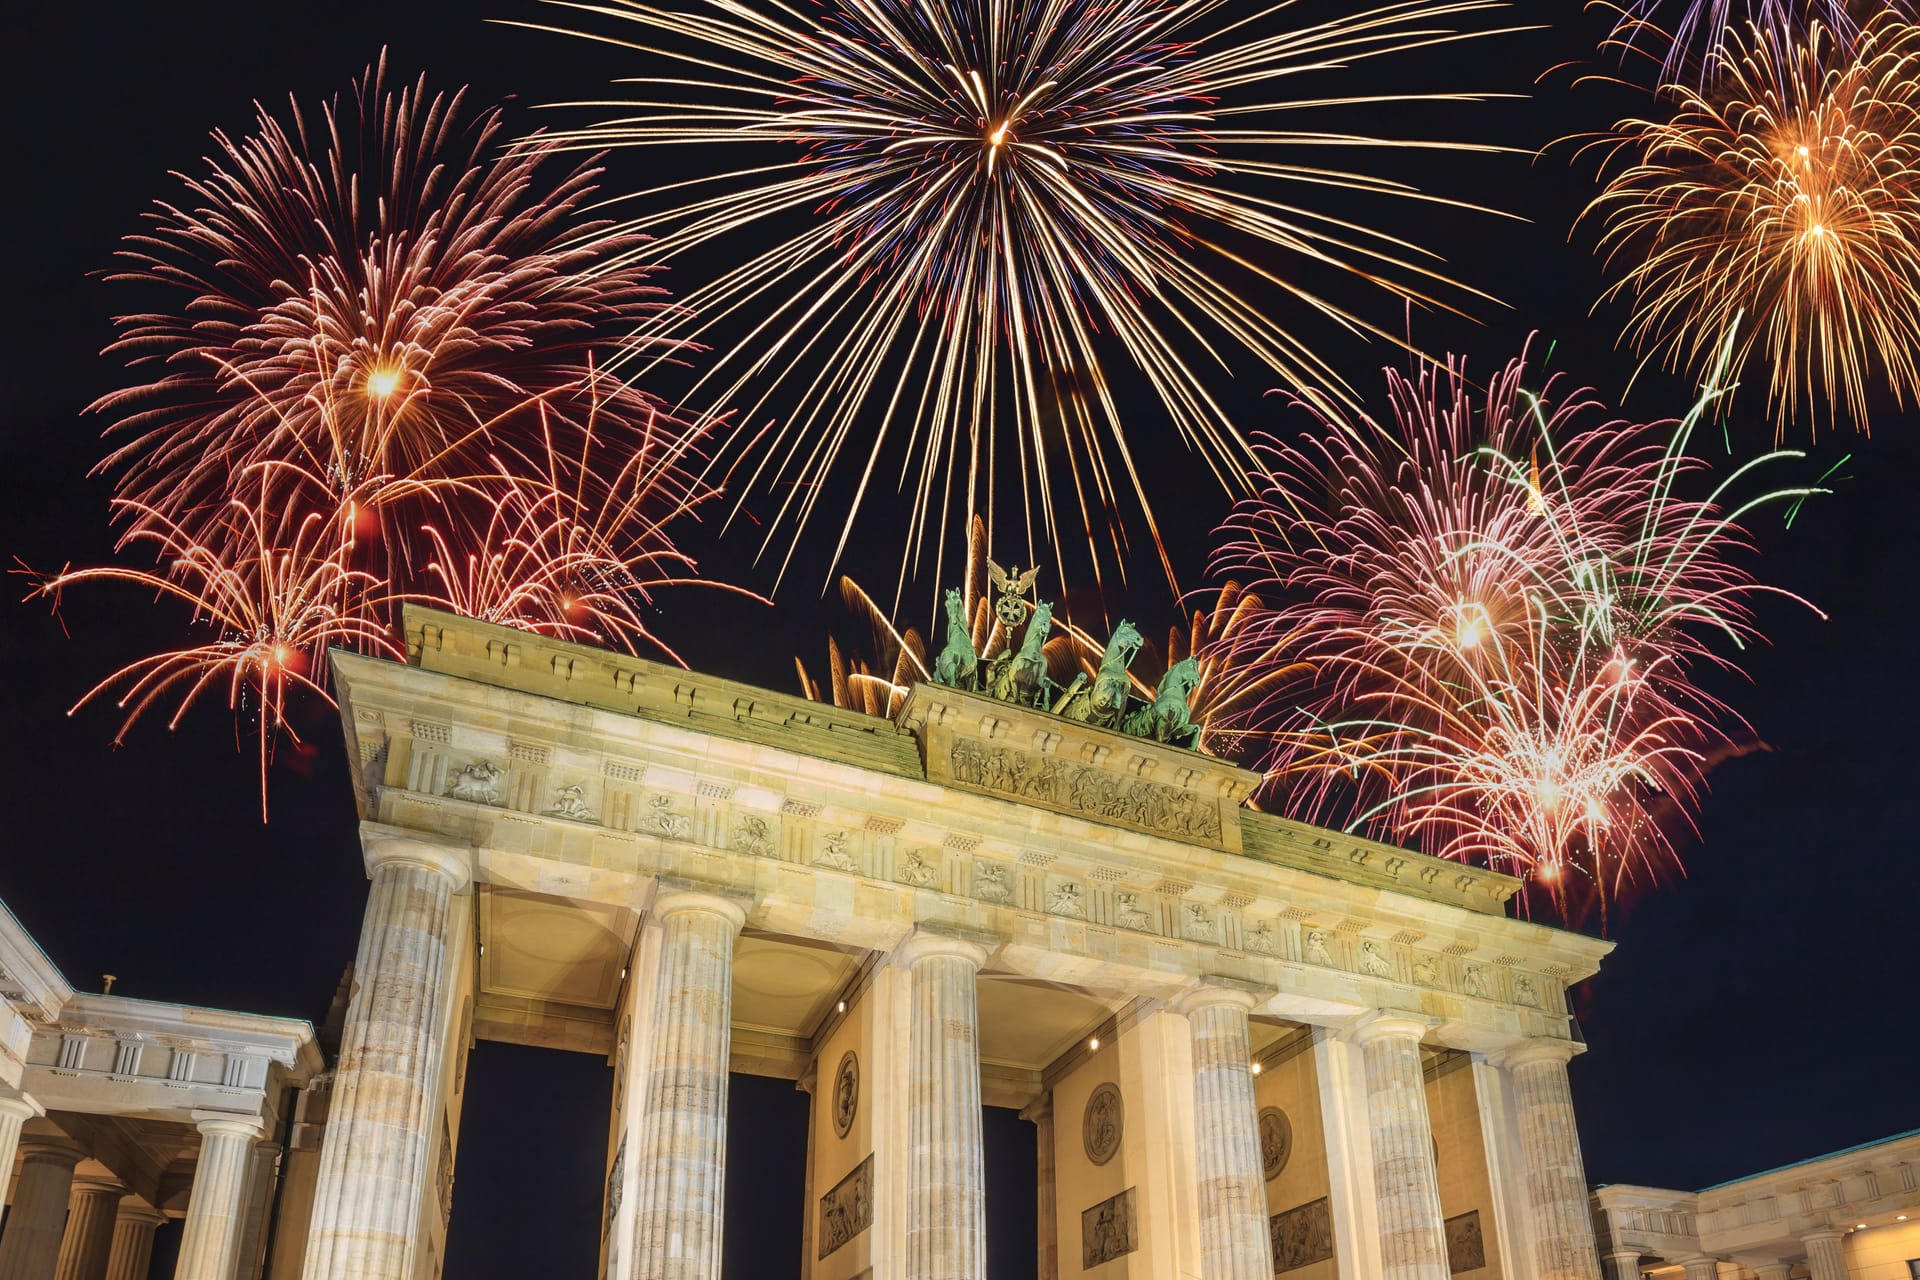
[958, 215]
[1687, 39]
[1788, 189]
[1492, 622]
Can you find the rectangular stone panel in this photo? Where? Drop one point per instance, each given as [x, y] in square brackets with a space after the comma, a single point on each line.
[1466, 1251]
[1109, 1230]
[1302, 1235]
[847, 1210]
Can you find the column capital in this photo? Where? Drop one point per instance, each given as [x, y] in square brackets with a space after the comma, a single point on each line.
[1822, 1233]
[1388, 1024]
[1214, 992]
[132, 1209]
[229, 1124]
[1534, 1049]
[90, 1184]
[924, 944]
[680, 897]
[382, 845]
[59, 1152]
[21, 1106]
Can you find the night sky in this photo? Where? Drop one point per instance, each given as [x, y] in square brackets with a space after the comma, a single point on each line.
[1759, 1011]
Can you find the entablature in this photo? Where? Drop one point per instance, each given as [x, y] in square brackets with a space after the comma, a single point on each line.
[578, 801]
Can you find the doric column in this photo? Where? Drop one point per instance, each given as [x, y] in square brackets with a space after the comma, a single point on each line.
[210, 1244]
[1226, 1137]
[946, 1167]
[1773, 1270]
[37, 1219]
[88, 1239]
[1046, 1208]
[263, 1180]
[132, 1252]
[1826, 1259]
[373, 1160]
[1413, 1243]
[1558, 1214]
[1698, 1268]
[683, 1129]
[15, 1110]
[1624, 1264]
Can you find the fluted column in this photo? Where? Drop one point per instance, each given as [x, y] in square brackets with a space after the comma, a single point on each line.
[1046, 1204]
[808, 1084]
[1773, 1270]
[1826, 1258]
[1226, 1136]
[1625, 1265]
[1557, 1208]
[37, 1219]
[373, 1160]
[946, 1165]
[1702, 1268]
[1413, 1243]
[683, 1130]
[88, 1239]
[210, 1244]
[132, 1251]
[15, 1110]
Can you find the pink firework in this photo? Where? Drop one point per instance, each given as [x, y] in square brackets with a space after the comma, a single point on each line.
[1495, 615]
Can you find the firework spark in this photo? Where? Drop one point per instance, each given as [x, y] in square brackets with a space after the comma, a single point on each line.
[1686, 51]
[365, 297]
[272, 611]
[1494, 618]
[1788, 190]
[959, 212]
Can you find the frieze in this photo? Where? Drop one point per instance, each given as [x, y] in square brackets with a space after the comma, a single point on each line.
[1129, 913]
[916, 872]
[1066, 899]
[1084, 790]
[992, 882]
[1301, 1236]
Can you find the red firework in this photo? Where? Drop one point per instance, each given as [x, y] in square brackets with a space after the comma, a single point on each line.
[1494, 618]
[376, 382]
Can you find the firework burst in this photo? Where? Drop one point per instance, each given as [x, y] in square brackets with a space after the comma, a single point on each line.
[958, 213]
[1788, 190]
[1494, 621]
[379, 385]
[366, 296]
[269, 613]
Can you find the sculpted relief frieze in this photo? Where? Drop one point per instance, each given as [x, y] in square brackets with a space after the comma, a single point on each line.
[1083, 789]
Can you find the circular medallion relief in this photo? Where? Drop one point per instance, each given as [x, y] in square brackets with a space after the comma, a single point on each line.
[1100, 1129]
[1276, 1141]
[846, 1093]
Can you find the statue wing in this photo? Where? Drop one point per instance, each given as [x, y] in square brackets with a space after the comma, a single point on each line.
[1024, 583]
[998, 576]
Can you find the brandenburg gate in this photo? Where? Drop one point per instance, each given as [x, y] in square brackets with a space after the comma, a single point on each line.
[1249, 1046]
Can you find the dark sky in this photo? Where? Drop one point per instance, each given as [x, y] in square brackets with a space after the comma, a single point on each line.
[1758, 1011]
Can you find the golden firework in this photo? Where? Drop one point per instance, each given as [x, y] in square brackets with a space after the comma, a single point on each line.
[1787, 189]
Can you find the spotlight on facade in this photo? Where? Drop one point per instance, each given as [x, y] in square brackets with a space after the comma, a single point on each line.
[1093, 1045]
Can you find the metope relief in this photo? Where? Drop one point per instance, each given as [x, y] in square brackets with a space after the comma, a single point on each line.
[1316, 948]
[846, 1093]
[1081, 789]
[1373, 961]
[478, 782]
[571, 802]
[833, 852]
[992, 882]
[1065, 899]
[751, 836]
[916, 872]
[1200, 926]
[1301, 1236]
[1260, 939]
[1109, 1230]
[661, 820]
[1103, 1123]
[847, 1210]
[1129, 913]
[1523, 993]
